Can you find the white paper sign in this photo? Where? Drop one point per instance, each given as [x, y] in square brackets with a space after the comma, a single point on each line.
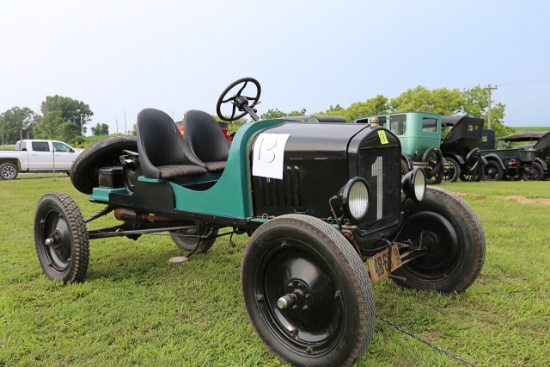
[269, 154]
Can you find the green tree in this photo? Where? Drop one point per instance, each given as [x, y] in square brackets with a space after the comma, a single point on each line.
[477, 105]
[49, 124]
[276, 113]
[70, 110]
[16, 123]
[100, 129]
[441, 101]
[372, 106]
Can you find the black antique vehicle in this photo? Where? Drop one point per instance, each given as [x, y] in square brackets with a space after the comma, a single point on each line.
[318, 200]
[523, 162]
[460, 144]
[539, 143]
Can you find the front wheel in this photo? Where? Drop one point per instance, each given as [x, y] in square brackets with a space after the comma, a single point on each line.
[60, 238]
[8, 171]
[307, 292]
[450, 240]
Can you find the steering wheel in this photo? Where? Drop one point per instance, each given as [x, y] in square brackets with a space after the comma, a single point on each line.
[240, 102]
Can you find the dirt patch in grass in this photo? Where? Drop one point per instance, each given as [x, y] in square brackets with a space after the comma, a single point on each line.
[517, 198]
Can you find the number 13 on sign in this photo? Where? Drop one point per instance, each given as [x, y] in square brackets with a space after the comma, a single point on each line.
[269, 154]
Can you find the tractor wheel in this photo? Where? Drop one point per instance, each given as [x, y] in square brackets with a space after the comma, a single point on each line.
[451, 242]
[307, 292]
[187, 239]
[84, 171]
[452, 173]
[61, 238]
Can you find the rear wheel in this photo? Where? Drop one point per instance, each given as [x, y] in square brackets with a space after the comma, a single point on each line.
[452, 173]
[473, 176]
[8, 171]
[493, 171]
[535, 173]
[451, 241]
[60, 238]
[187, 239]
[307, 292]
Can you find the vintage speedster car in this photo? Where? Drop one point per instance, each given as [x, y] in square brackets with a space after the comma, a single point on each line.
[318, 200]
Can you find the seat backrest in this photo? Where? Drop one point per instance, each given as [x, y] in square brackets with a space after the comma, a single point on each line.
[205, 137]
[160, 144]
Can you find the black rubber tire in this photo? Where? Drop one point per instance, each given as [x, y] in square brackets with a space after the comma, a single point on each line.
[434, 158]
[334, 322]
[493, 171]
[189, 243]
[57, 216]
[473, 160]
[104, 153]
[452, 174]
[404, 168]
[536, 174]
[435, 180]
[8, 171]
[475, 176]
[454, 239]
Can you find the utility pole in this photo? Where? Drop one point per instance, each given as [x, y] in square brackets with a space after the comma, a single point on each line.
[489, 89]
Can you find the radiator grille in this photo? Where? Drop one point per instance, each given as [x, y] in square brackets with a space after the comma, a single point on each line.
[381, 167]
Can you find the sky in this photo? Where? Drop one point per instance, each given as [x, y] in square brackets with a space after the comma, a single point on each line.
[121, 56]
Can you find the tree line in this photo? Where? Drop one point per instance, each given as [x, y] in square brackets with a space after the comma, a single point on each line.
[64, 118]
[448, 102]
[61, 118]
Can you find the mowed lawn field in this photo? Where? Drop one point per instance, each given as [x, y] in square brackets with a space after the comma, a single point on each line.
[138, 309]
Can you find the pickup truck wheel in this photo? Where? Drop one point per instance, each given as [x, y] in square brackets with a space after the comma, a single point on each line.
[104, 153]
[307, 292]
[185, 242]
[61, 238]
[8, 171]
[451, 240]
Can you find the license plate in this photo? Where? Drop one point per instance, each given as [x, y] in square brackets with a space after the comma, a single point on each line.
[378, 264]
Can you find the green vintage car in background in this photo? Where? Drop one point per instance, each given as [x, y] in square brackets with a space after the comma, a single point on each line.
[324, 204]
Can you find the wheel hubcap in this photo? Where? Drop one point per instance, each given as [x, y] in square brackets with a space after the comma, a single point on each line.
[300, 298]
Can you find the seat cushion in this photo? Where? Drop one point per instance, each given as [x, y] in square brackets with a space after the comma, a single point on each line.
[180, 170]
[216, 166]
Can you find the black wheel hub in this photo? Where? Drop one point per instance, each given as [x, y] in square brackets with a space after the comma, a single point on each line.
[301, 298]
[57, 241]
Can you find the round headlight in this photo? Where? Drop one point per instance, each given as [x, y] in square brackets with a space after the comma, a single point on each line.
[420, 185]
[355, 198]
[414, 184]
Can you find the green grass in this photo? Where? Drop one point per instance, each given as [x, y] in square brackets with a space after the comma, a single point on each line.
[136, 308]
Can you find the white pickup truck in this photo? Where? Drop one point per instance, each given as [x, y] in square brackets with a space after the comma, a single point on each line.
[37, 156]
